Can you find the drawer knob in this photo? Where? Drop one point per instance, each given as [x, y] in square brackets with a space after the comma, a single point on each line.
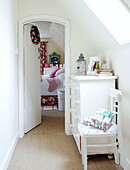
[71, 125]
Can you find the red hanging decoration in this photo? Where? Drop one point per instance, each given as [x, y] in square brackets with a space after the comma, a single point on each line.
[43, 58]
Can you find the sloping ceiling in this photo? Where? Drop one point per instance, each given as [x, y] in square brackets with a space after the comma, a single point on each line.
[93, 30]
[127, 2]
[44, 29]
[53, 31]
[89, 29]
[57, 35]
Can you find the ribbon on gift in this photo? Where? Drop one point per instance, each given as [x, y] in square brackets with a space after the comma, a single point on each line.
[105, 113]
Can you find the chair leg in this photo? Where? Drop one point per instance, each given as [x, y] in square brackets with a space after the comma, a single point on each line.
[82, 149]
[116, 153]
[85, 153]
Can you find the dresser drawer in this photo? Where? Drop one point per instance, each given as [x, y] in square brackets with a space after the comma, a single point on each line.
[75, 119]
[75, 97]
[75, 112]
[76, 104]
[76, 136]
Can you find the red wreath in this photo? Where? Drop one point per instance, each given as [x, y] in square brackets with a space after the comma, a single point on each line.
[35, 35]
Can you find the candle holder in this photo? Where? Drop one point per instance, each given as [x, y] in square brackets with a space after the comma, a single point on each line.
[81, 65]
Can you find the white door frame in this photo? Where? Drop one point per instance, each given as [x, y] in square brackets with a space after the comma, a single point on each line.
[21, 68]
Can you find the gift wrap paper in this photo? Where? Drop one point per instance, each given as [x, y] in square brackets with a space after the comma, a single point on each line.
[102, 119]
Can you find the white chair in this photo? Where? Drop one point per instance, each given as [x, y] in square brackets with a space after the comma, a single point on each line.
[90, 132]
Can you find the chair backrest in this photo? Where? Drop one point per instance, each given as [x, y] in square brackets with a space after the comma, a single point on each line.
[115, 96]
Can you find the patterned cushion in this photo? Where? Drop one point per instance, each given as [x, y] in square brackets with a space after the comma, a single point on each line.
[92, 131]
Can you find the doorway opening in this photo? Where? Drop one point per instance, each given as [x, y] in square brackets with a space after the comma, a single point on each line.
[44, 67]
[22, 101]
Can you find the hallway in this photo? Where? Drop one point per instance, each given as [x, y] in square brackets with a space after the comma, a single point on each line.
[48, 148]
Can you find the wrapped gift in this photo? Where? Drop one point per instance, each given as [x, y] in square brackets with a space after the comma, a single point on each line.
[102, 119]
[106, 123]
[105, 113]
[88, 121]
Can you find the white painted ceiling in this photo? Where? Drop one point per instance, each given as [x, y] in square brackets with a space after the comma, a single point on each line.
[127, 2]
[44, 28]
[52, 30]
[117, 22]
[96, 37]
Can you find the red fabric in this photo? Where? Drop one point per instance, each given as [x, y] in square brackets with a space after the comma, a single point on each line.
[49, 100]
[46, 65]
[54, 72]
[43, 58]
[53, 84]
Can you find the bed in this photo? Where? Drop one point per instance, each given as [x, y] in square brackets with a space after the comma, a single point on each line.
[50, 98]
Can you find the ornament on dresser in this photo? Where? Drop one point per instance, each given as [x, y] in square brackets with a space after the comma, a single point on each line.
[81, 65]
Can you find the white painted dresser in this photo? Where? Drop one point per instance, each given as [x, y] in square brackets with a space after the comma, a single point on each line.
[88, 93]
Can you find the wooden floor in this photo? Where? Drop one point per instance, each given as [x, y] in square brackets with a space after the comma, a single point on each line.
[48, 148]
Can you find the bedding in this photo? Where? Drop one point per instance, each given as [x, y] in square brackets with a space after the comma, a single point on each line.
[49, 88]
[53, 84]
[62, 70]
[48, 71]
[54, 72]
[45, 85]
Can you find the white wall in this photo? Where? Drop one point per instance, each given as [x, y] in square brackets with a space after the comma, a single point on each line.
[52, 47]
[8, 79]
[120, 61]
[88, 35]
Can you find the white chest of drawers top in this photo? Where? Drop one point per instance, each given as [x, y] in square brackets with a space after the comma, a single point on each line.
[88, 93]
[81, 79]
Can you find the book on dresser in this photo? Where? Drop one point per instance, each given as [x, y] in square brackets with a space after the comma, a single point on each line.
[104, 72]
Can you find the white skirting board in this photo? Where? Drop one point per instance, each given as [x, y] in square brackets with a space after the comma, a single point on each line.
[6, 162]
[124, 163]
[121, 162]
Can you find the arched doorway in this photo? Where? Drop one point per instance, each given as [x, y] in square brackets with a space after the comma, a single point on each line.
[21, 68]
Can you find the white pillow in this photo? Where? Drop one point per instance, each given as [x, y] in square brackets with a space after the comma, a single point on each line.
[61, 76]
[62, 70]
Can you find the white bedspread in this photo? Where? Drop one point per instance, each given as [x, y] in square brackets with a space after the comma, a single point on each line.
[45, 86]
